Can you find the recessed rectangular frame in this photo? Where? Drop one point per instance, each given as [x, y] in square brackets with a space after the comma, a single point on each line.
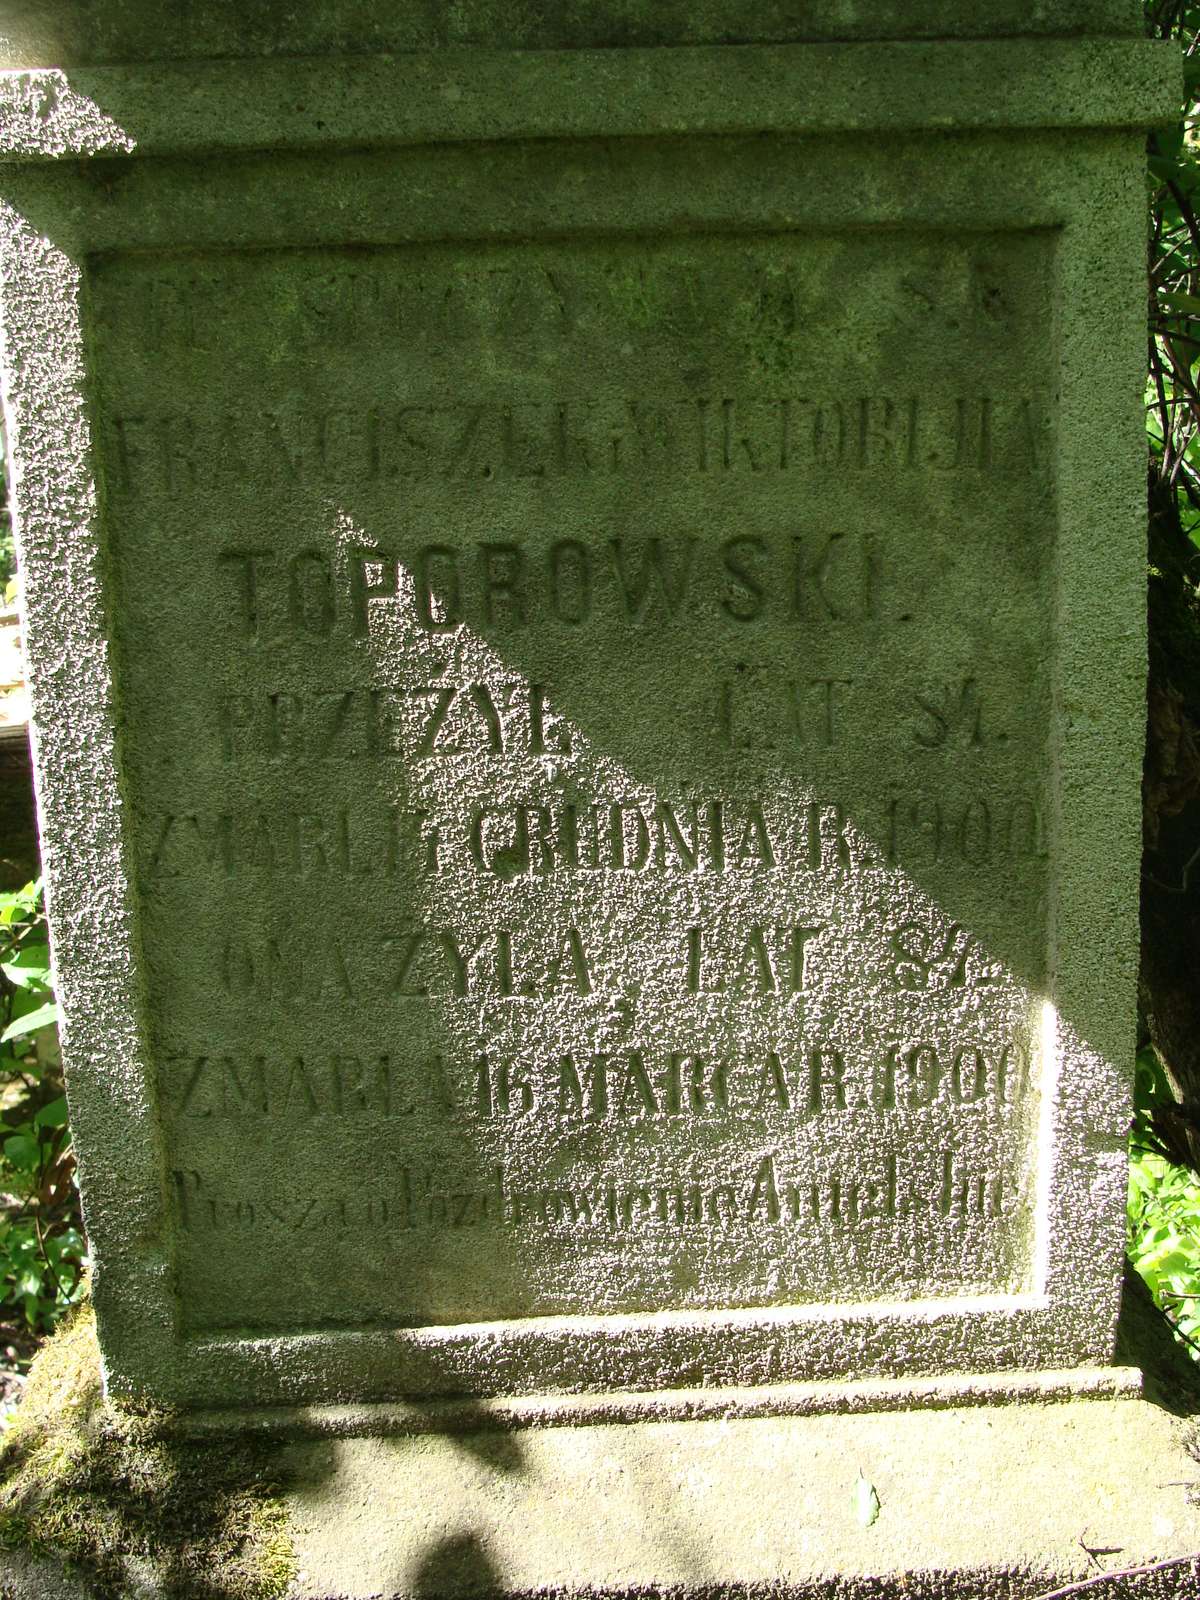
[1086, 183]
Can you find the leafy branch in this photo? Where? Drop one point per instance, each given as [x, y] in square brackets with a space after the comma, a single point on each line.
[42, 1249]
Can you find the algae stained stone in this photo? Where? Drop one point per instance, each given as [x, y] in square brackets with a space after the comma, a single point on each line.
[589, 769]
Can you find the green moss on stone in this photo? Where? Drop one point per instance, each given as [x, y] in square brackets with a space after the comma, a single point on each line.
[103, 1487]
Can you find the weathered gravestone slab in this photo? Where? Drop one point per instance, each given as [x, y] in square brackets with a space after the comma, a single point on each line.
[587, 658]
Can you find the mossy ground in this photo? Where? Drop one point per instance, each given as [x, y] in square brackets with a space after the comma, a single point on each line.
[102, 1487]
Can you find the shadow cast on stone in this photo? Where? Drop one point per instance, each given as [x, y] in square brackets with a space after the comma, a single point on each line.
[490, 1440]
[1146, 1339]
[458, 1565]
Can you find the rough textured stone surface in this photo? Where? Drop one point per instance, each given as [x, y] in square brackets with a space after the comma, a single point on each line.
[986, 1503]
[995, 1503]
[461, 95]
[73, 32]
[701, 1494]
[589, 770]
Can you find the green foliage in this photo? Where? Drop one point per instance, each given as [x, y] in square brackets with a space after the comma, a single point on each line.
[42, 1249]
[105, 1488]
[1164, 1211]
[1173, 395]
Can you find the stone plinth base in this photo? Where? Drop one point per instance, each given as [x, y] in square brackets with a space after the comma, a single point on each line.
[1013, 1498]
[977, 1501]
[723, 1404]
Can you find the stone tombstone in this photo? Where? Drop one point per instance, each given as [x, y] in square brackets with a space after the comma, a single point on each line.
[584, 581]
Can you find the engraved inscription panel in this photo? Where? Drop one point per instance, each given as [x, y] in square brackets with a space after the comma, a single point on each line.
[585, 725]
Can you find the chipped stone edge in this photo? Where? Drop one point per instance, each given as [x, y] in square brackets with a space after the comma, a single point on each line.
[458, 95]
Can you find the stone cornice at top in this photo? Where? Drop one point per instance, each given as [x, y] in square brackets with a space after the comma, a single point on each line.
[74, 33]
[186, 108]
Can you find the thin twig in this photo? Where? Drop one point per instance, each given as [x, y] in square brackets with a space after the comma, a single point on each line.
[1164, 411]
[1118, 1572]
[1175, 334]
[1179, 1334]
[1185, 211]
[50, 1267]
[1180, 369]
